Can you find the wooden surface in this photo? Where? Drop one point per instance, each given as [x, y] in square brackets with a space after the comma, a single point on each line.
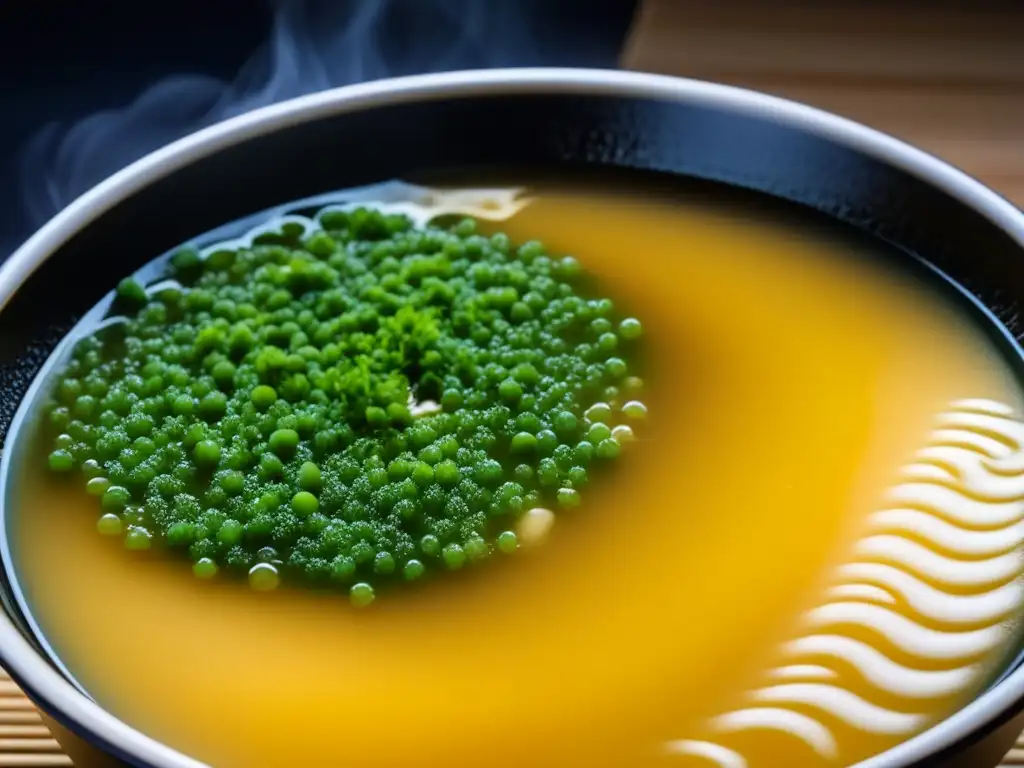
[939, 75]
[947, 77]
[24, 740]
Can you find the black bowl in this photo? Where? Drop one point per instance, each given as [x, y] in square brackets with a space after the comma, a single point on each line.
[562, 121]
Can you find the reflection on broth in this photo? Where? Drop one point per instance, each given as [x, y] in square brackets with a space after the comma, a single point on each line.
[910, 620]
[810, 554]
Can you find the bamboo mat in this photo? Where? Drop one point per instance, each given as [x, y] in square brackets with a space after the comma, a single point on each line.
[948, 77]
[24, 740]
[945, 76]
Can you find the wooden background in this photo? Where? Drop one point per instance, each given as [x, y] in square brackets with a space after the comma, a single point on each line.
[948, 77]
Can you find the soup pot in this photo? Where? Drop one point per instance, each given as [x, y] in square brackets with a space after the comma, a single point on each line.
[551, 120]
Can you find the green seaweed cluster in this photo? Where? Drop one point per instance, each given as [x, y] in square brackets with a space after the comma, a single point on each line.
[361, 403]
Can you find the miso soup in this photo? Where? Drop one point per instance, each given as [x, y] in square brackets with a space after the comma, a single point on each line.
[809, 553]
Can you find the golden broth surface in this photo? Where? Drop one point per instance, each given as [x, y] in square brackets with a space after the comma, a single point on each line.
[788, 382]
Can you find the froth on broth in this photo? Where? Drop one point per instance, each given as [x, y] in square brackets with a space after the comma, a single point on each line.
[806, 559]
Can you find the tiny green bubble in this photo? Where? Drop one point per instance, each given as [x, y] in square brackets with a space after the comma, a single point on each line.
[61, 460]
[263, 577]
[138, 538]
[413, 569]
[635, 410]
[361, 594]
[109, 524]
[568, 497]
[304, 504]
[508, 542]
[454, 556]
[204, 568]
[97, 486]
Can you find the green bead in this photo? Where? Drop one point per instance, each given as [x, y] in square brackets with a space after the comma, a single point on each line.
[377, 477]
[384, 563]
[233, 482]
[263, 396]
[598, 432]
[608, 449]
[309, 477]
[564, 422]
[204, 568]
[630, 329]
[115, 498]
[430, 545]
[283, 442]
[632, 384]
[508, 542]
[607, 342]
[635, 410]
[413, 570]
[614, 368]
[476, 549]
[577, 476]
[361, 594]
[623, 433]
[129, 291]
[109, 525]
[186, 260]
[61, 460]
[523, 442]
[488, 472]
[270, 466]
[451, 400]
[520, 312]
[212, 405]
[523, 474]
[454, 556]
[206, 453]
[568, 497]
[182, 405]
[138, 425]
[447, 473]
[85, 407]
[138, 538]
[223, 373]
[583, 453]
[423, 473]
[263, 577]
[547, 441]
[180, 534]
[97, 486]
[599, 412]
[569, 268]
[60, 416]
[547, 473]
[230, 532]
[304, 504]
[376, 416]
[510, 389]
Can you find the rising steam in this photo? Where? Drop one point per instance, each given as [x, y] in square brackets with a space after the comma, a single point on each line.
[313, 45]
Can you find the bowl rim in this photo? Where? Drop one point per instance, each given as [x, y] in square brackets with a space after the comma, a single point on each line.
[87, 718]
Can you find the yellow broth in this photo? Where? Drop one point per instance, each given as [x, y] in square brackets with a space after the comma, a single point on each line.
[789, 379]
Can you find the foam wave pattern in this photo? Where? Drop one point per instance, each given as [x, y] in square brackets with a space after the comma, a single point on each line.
[934, 581]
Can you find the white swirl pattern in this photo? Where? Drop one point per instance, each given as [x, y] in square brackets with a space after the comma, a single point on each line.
[923, 599]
